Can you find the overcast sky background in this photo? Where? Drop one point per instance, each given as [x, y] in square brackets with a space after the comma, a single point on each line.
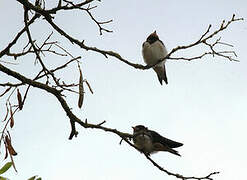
[203, 106]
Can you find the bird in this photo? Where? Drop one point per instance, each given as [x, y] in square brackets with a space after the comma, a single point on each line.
[149, 142]
[153, 50]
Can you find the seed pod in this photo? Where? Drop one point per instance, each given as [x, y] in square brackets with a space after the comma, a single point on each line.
[20, 103]
[6, 152]
[10, 147]
[11, 117]
[7, 113]
[81, 90]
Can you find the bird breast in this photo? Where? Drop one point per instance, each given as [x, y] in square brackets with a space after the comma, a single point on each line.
[144, 142]
[153, 52]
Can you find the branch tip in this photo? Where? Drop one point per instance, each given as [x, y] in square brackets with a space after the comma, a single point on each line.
[101, 123]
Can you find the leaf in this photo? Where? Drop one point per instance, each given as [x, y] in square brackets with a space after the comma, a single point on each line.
[32, 178]
[5, 167]
[11, 117]
[10, 147]
[3, 178]
[81, 90]
[20, 103]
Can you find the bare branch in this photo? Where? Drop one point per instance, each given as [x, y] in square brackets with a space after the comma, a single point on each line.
[6, 50]
[178, 175]
[202, 40]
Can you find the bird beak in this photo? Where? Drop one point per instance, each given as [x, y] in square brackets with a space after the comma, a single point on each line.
[133, 128]
[155, 32]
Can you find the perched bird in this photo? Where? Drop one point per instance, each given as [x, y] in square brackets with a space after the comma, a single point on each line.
[149, 141]
[154, 50]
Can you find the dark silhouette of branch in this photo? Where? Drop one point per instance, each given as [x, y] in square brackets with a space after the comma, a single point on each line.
[99, 24]
[6, 50]
[178, 175]
[202, 40]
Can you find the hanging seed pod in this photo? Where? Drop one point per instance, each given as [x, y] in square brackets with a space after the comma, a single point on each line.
[20, 103]
[10, 147]
[7, 113]
[11, 117]
[81, 90]
[6, 152]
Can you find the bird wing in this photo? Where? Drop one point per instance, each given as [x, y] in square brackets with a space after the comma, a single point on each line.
[162, 147]
[157, 138]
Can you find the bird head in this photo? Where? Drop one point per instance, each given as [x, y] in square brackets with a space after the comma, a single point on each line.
[152, 37]
[139, 128]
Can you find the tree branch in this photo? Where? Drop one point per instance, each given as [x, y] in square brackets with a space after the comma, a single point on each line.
[202, 40]
[6, 50]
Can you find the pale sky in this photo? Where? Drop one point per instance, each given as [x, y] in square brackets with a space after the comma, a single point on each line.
[203, 106]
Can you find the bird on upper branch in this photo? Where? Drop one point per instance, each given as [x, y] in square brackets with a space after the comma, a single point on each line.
[154, 50]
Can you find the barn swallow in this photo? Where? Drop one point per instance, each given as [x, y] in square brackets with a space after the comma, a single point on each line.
[149, 141]
[154, 50]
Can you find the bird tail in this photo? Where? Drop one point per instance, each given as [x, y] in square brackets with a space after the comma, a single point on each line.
[161, 73]
[173, 151]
